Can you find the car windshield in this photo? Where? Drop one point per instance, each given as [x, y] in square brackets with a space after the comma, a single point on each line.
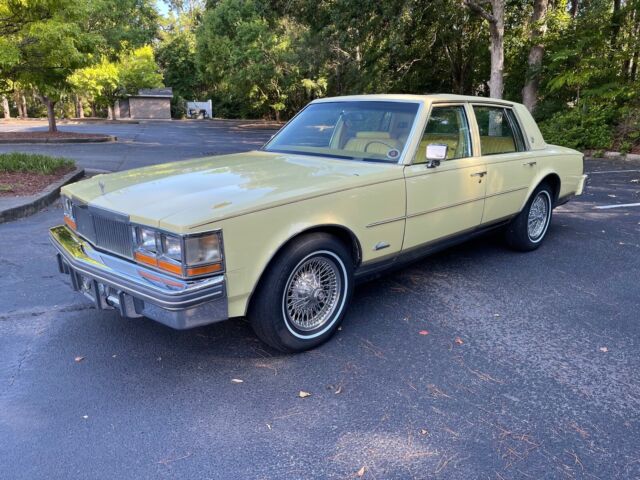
[357, 130]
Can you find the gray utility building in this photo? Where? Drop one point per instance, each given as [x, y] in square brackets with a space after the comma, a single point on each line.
[148, 104]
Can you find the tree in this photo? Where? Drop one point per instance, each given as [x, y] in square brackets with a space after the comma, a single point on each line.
[248, 53]
[495, 18]
[538, 27]
[106, 82]
[122, 25]
[177, 60]
[138, 69]
[99, 83]
[42, 44]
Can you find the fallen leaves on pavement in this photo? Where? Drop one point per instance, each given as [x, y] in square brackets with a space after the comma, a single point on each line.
[459, 341]
[236, 380]
[304, 394]
[78, 359]
[361, 472]
[423, 332]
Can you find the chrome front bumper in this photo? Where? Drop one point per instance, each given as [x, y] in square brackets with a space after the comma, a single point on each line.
[136, 291]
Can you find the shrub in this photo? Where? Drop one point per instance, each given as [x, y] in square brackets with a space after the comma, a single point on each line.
[580, 128]
[178, 107]
[33, 163]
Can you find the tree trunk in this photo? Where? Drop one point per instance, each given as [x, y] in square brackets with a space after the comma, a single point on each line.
[18, 102]
[496, 33]
[534, 62]
[615, 23]
[25, 112]
[51, 113]
[94, 113]
[5, 107]
[496, 30]
[110, 112]
[573, 11]
[79, 108]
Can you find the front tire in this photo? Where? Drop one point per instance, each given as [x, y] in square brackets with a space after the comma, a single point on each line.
[529, 228]
[302, 297]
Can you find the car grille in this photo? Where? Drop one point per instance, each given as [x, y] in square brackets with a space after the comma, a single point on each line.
[105, 230]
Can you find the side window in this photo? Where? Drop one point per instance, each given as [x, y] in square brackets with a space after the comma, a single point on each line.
[496, 126]
[446, 126]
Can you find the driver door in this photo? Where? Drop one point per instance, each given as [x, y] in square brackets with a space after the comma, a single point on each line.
[446, 199]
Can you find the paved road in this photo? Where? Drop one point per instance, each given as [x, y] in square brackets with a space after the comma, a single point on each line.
[544, 381]
[146, 143]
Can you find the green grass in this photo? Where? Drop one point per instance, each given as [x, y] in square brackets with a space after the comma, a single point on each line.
[33, 163]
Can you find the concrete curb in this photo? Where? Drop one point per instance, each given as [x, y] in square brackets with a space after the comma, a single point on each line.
[34, 203]
[103, 139]
[99, 121]
[631, 157]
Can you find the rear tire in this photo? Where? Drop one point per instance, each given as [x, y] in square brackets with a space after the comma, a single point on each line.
[302, 297]
[529, 228]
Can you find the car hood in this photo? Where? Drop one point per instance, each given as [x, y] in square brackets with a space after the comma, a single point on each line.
[186, 195]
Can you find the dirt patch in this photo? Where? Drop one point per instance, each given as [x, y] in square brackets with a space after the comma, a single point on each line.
[16, 184]
[23, 136]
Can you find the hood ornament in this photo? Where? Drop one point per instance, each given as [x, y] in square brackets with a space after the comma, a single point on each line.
[101, 185]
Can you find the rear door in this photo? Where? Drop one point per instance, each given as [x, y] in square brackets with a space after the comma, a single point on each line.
[510, 166]
[449, 198]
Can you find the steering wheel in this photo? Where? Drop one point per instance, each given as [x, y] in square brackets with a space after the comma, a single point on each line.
[391, 147]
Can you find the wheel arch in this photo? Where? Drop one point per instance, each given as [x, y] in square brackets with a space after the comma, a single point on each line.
[553, 179]
[344, 234]
[550, 177]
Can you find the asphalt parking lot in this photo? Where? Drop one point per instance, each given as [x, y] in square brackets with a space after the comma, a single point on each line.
[529, 367]
[146, 143]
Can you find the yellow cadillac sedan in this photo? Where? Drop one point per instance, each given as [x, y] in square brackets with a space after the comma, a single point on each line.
[351, 186]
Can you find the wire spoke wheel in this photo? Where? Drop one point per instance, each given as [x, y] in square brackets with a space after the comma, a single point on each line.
[538, 217]
[312, 293]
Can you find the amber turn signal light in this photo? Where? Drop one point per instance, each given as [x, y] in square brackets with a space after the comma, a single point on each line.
[70, 223]
[195, 271]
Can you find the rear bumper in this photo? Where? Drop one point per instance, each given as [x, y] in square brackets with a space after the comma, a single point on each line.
[114, 283]
[581, 184]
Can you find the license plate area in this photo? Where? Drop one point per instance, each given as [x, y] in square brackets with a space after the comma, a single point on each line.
[94, 291]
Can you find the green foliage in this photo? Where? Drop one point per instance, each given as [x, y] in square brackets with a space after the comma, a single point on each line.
[178, 107]
[100, 82]
[249, 56]
[33, 163]
[107, 81]
[177, 59]
[581, 128]
[138, 69]
[45, 45]
[122, 25]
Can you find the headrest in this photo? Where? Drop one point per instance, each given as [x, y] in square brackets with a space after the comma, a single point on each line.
[376, 135]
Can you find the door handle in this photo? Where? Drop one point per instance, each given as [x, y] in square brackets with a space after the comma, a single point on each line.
[531, 164]
[479, 174]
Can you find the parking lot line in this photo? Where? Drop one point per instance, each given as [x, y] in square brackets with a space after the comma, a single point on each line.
[620, 205]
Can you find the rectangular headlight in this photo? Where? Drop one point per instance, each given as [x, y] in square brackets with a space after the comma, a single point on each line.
[172, 247]
[145, 239]
[191, 256]
[203, 249]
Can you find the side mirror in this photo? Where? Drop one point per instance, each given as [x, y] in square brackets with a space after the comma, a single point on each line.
[436, 152]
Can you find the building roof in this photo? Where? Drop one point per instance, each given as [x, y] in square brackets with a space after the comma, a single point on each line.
[166, 92]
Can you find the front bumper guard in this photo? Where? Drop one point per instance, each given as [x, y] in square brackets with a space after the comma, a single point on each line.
[136, 291]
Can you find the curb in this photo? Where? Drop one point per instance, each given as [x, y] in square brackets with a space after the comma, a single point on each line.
[34, 203]
[99, 121]
[104, 139]
[628, 157]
